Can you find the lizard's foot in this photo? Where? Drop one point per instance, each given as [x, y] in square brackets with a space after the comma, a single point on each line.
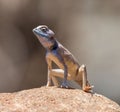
[49, 84]
[64, 85]
[87, 88]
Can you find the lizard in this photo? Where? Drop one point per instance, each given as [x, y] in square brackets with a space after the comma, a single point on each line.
[69, 68]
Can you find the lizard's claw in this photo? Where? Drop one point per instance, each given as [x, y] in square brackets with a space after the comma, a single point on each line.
[64, 85]
[88, 88]
[49, 84]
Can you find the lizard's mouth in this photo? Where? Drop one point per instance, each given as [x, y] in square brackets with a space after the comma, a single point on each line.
[48, 34]
[35, 31]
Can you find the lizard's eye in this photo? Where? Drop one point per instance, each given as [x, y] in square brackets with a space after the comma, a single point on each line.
[44, 29]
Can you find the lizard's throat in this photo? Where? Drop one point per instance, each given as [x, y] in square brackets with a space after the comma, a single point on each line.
[54, 46]
[50, 44]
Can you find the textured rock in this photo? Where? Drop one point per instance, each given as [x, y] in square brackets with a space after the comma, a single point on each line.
[52, 99]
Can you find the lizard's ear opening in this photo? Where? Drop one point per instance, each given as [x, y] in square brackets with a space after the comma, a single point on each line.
[52, 37]
[51, 33]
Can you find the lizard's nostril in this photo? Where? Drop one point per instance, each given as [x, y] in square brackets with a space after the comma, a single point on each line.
[34, 30]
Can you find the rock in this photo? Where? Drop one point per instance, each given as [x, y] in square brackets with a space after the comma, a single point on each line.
[53, 99]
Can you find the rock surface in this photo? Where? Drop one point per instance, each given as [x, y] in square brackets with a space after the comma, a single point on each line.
[52, 99]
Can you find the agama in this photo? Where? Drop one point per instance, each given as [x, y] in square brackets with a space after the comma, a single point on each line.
[69, 69]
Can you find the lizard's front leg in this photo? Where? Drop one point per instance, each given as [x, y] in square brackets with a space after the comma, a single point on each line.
[64, 84]
[49, 77]
[59, 61]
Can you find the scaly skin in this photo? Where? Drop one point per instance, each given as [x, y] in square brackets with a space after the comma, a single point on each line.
[69, 67]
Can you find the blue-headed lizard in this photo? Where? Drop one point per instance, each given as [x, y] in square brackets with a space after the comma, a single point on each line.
[69, 67]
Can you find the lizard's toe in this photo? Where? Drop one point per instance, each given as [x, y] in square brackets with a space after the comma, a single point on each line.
[88, 88]
[64, 85]
[48, 84]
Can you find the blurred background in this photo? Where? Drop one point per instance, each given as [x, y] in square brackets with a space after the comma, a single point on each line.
[90, 29]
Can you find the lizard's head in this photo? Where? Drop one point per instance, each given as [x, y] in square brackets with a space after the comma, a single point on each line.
[45, 36]
[43, 31]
